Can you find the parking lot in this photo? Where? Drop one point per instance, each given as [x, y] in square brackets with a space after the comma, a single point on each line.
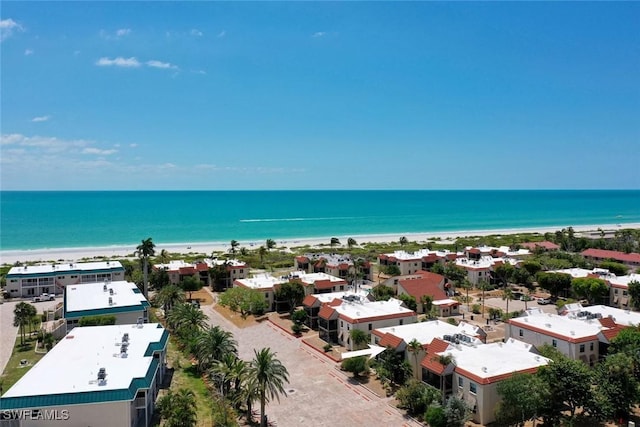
[319, 394]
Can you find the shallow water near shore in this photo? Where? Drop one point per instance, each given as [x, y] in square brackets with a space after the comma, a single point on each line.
[37, 220]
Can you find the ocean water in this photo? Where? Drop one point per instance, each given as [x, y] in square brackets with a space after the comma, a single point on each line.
[37, 220]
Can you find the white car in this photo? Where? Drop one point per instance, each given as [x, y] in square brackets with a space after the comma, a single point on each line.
[44, 297]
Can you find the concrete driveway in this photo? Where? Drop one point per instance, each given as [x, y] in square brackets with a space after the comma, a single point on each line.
[319, 394]
[8, 332]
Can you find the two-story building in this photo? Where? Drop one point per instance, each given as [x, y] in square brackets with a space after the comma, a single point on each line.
[335, 323]
[99, 376]
[264, 283]
[631, 260]
[121, 299]
[338, 265]
[425, 283]
[34, 280]
[314, 302]
[178, 270]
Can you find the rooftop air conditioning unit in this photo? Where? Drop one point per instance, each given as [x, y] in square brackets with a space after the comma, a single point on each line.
[102, 374]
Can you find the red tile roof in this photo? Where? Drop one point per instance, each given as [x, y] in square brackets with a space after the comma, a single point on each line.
[302, 259]
[607, 322]
[324, 284]
[432, 361]
[310, 301]
[187, 270]
[389, 340]
[618, 256]
[327, 312]
[427, 284]
[335, 302]
[550, 246]
[201, 266]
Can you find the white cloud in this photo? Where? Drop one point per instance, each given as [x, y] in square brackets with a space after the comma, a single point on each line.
[28, 52]
[133, 145]
[118, 34]
[41, 119]
[319, 34]
[222, 34]
[8, 27]
[98, 151]
[199, 71]
[123, 32]
[118, 62]
[43, 143]
[159, 64]
[195, 32]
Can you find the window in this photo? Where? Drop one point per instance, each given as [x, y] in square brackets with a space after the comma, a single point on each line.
[472, 387]
[591, 347]
[61, 277]
[341, 324]
[74, 277]
[615, 292]
[370, 326]
[581, 348]
[554, 343]
[401, 321]
[460, 382]
[625, 293]
[521, 333]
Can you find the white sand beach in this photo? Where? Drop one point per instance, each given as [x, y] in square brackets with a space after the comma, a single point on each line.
[76, 254]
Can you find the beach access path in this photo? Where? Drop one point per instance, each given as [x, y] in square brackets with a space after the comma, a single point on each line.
[318, 393]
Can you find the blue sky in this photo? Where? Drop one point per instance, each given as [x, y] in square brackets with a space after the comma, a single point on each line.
[319, 95]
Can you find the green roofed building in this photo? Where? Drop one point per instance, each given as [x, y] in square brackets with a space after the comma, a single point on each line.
[96, 376]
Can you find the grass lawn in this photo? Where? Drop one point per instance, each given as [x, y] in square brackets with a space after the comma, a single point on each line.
[13, 372]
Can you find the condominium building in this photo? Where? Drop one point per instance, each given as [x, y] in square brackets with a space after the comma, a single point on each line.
[598, 255]
[99, 376]
[123, 300]
[422, 284]
[339, 265]
[35, 280]
[178, 270]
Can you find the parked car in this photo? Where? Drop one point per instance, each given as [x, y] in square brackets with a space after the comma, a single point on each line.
[44, 297]
[544, 301]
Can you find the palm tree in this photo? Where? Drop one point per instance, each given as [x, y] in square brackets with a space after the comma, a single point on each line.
[22, 314]
[169, 296]
[262, 251]
[212, 345]
[145, 250]
[483, 285]
[414, 346]
[186, 317]
[466, 285]
[334, 241]
[507, 295]
[351, 242]
[403, 241]
[164, 256]
[178, 409]
[234, 245]
[269, 376]
[270, 244]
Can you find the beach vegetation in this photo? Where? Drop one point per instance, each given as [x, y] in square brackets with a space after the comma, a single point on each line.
[97, 320]
[270, 244]
[334, 242]
[634, 293]
[145, 250]
[590, 288]
[191, 284]
[290, 294]
[409, 301]
[213, 344]
[169, 296]
[243, 300]
[351, 242]
[178, 409]
[358, 365]
[383, 292]
[186, 320]
[268, 376]
[403, 241]
[233, 246]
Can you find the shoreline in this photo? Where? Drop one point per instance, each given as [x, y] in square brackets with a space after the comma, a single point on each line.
[124, 251]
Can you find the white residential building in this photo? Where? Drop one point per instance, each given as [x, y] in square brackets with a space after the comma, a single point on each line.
[263, 283]
[100, 376]
[34, 280]
[120, 299]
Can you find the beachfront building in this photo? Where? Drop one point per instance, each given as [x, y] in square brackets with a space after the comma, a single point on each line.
[319, 283]
[335, 322]
[339, 265]
[619, 289]
[631, 260]
[178, 270]
[314, 302]
[424, 283]
[99, 376]
[412, 262]
[576, 338]
[544, 246]
[473, 371]
[34, 280]
[264, 283]
[121, 299]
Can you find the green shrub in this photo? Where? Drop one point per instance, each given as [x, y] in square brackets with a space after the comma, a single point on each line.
[327, 348]
[476, 308]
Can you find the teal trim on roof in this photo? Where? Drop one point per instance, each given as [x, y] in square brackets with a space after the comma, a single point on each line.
[63, 273]
[136, 291]
[127, 394]
[158, 346]
[104, 311]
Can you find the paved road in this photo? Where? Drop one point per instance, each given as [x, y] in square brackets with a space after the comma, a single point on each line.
[319, 394]
[8, 332]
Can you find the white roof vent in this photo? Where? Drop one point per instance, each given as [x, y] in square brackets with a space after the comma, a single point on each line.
[110, 301]
[102, 375]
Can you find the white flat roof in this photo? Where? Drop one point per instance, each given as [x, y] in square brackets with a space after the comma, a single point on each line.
[330, 296]
[417, 255]
[425, 332]
[624, 280]
[620, 316]
[445, 301]
[491, 360]
[262, 281]
[91, 296]
[368, 309]
[332, 259]
[559, 325]
[311, 278]
[72, 365]
[68, 267]
[483, 262]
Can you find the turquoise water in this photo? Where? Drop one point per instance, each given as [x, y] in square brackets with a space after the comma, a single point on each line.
[36, 220]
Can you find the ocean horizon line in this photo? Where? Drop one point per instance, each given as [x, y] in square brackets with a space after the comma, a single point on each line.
[225, 190]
